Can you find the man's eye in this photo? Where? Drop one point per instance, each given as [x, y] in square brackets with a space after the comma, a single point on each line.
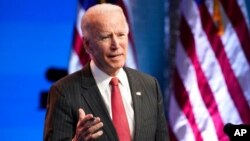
[121, 35]
[104, 37]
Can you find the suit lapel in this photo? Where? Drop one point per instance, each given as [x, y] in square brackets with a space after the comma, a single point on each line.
[137, 94]
[93, 98]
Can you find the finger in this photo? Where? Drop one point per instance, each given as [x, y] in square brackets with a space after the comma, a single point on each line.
[91, 127]
[81, 113]
[93, 121]
[82, 127]
[94, 136]
[83, 117]
[89, 123]
[95, 127]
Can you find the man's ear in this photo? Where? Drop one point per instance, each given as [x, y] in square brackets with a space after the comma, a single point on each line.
[86, 45]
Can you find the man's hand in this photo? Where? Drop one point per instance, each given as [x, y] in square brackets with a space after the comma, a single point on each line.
[88, 127]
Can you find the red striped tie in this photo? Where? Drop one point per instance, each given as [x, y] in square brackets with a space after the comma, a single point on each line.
[118, 112]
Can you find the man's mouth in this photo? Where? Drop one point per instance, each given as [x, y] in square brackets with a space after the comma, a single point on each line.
[114, 56]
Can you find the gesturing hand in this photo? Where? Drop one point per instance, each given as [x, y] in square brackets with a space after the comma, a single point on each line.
[88, 127]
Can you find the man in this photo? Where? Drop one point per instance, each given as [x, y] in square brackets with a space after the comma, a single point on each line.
[83, 105]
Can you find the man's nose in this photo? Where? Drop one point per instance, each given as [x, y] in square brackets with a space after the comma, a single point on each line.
[115, 42]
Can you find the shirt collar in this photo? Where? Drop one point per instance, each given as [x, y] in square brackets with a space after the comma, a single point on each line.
[103, 79]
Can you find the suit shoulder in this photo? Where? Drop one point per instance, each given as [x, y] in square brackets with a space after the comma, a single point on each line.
[139, 74]
[69, 79]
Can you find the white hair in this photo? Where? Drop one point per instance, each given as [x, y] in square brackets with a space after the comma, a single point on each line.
[93, 13]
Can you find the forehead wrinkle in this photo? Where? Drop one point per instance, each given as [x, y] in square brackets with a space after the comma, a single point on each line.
[97, 26]
[96, 14]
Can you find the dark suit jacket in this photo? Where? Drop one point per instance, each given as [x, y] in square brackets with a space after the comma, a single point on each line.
[79, 90]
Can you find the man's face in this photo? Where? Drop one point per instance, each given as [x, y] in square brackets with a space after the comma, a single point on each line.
[108, 42]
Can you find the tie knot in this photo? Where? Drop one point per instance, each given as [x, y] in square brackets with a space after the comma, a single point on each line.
[114, 81]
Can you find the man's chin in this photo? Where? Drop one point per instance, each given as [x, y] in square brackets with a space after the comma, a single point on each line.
[117, 65]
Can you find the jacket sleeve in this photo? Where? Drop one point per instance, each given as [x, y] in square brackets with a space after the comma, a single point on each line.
[162, 130]
[59, 121]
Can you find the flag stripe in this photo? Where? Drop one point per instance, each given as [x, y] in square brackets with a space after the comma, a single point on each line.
[130, 35]
[213, 70]
[238, 21]
[178, 122]
[205, 90]
[78, 45]
[188, 76]
[237, 59]
[182, 99]
[210, 65]
[172, 136]
[231, 80]
[79, 57]
[236, 53]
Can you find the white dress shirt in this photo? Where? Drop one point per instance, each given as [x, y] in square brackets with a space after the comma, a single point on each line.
[102, 79]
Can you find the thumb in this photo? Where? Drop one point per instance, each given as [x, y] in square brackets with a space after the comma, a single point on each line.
[81, 113]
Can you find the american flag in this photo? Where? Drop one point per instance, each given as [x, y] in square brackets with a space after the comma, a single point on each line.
[211, 77]
[79, 57]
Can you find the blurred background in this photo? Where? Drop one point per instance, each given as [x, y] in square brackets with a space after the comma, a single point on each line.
[35, 49]
[36, 36]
